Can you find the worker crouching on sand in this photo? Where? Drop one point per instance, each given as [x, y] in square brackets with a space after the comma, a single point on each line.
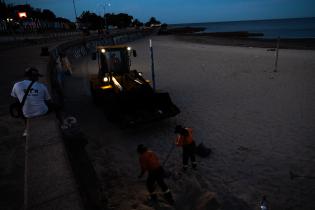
[185, 139]
[151, 163]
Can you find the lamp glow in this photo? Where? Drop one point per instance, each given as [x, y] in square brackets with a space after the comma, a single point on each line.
[22, 15]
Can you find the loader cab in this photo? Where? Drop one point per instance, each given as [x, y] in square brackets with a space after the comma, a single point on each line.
[113, 60]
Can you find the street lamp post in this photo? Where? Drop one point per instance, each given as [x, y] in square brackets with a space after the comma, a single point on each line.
[105, 19]
[75, 11]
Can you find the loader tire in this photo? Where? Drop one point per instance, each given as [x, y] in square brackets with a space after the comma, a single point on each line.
[96, 99]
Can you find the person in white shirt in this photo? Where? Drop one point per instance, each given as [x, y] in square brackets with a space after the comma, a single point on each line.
[38, 96]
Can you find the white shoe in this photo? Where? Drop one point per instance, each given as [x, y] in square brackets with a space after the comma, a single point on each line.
[25, 133]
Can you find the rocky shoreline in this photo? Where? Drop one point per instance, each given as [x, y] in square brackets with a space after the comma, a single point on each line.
[300, 44]
[237, 38]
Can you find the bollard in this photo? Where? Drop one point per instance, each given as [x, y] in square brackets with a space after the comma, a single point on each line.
[152, 65]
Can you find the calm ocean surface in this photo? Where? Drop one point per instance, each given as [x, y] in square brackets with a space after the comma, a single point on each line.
[285, 28]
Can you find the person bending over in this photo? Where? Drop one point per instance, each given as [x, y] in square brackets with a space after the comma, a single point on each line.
[150, 163]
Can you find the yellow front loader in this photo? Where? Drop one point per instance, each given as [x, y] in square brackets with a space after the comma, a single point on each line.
[126, 96]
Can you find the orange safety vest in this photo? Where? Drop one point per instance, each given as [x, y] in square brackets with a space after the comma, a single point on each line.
[149, 161]
[185, 140]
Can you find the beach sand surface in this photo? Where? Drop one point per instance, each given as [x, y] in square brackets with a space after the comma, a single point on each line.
[260, 125]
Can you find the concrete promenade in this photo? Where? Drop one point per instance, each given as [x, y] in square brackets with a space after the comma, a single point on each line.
[50, 182]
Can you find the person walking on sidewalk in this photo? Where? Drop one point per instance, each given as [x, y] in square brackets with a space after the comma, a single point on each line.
[150, 162]
[37, 96]
[185, 139]
[64, 69]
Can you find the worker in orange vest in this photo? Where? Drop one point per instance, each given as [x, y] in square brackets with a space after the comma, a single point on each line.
[185, 139]
[150, 162]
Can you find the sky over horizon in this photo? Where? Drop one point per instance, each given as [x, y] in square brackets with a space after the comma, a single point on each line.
[182, 11]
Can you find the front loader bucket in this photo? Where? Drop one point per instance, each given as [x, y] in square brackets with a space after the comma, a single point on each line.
[164, 104]
[138, 110]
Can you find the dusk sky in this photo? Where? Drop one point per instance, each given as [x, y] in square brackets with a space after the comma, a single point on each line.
[183, 11]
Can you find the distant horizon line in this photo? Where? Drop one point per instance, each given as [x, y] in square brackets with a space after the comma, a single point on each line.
[239, 20]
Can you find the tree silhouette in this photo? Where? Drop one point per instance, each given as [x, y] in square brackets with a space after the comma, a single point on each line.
[45, 18]
[91, 20]
[152, 21]
[3, 10]
[10, 11]
[137, 23]
[120, 20]
[48, 15]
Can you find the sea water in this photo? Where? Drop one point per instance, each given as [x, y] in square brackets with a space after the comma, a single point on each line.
[284, 28]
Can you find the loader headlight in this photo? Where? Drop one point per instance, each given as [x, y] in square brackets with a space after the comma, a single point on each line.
[106, 87]
[105, 79]
[117, 83]
[128, 48]
[103, 50]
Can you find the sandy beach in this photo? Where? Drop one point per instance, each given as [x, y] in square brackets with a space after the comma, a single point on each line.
[259, 123]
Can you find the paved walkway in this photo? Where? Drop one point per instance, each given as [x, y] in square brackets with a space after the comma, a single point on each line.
[13, 62]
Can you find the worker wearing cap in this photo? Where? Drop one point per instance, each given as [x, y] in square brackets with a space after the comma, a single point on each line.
[150, 162]
[185, 139]
[35, 103]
